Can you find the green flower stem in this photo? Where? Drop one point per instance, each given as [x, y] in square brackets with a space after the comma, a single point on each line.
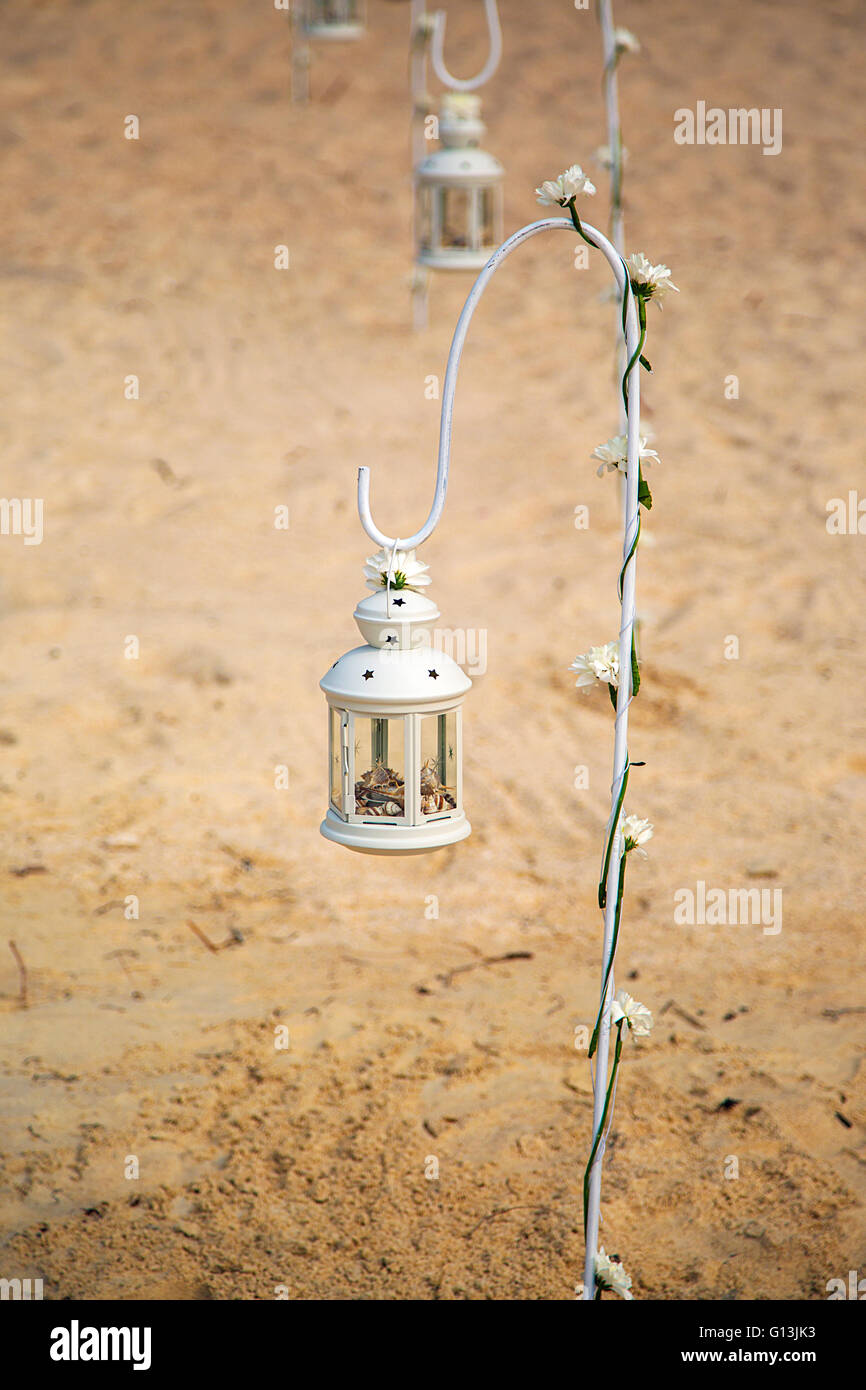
[608, 850]
[572, 209]
[637, 355]
[632, 549]
[635, 668]
[600, 1131]
[593, 1042]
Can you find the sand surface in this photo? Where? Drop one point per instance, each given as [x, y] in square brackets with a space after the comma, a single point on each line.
[304, 1167]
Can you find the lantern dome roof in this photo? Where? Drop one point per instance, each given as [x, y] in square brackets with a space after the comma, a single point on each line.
[378, 677]
[461, 165]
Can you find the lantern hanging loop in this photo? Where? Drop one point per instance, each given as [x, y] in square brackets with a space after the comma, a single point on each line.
[467, 84]
[632, 333]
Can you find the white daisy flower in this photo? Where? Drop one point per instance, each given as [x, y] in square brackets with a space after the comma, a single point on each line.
[648, 280]
[571, 184]
[625, 41]
[614, 454]
[610, 1275]
[462, 106]
[406, 573]
[637, 1016]
[425, 28]
[636, 832]
[598, 664]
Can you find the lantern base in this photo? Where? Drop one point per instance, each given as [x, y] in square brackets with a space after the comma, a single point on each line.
[395, 839]
[455, 260]
[334, 31]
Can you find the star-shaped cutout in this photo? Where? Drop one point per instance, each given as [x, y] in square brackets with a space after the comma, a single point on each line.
[368, 675]
[392, 638]
[398, 602]
[434, 674]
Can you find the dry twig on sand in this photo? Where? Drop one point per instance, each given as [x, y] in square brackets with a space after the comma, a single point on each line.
[22, 973]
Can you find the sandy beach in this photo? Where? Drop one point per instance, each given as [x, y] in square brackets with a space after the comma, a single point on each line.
[140, 816]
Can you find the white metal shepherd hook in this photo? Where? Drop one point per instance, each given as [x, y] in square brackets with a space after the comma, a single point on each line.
[437, 57]
[624, 690]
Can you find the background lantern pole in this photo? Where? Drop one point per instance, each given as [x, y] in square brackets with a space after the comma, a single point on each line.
[614, 145]
[300, 55]
[419, 36]
[420, 32]
[311, 19]
[624, 688]
[614, 132]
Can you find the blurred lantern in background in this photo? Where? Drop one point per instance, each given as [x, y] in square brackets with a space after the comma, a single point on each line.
[321, 19]
[458, 190]
[333, 19]
[395, 724]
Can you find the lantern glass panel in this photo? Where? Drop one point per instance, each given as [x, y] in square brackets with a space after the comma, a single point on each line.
[488, 216]
[424, 214]
[380, 789]
[334, 11]
[336, 721]
[438, 764]
[455, 217]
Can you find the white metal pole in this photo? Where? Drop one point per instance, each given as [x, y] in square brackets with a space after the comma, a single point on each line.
[623, 700]
[624, 690]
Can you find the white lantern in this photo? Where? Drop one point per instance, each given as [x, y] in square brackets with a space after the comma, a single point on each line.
[334, 19]
[395, 724]
[458, 191]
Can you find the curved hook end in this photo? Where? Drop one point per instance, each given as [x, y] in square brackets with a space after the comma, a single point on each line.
[437, 51]
[365, 514]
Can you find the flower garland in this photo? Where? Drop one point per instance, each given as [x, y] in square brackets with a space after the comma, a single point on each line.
[645, 281]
